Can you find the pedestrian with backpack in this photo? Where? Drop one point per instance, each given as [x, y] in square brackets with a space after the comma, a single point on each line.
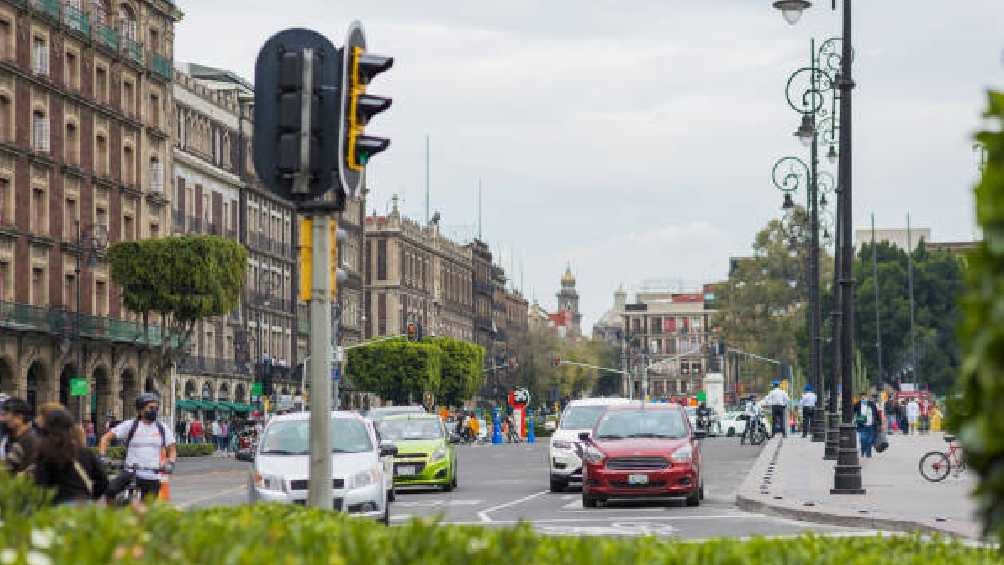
[148, 443]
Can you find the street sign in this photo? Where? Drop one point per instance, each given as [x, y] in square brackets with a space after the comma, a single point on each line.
[256, 389]
[702, 396]
[336, 373]
[79, 386]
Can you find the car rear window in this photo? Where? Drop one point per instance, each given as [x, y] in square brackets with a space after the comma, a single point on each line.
[581, 417]
[619, 424]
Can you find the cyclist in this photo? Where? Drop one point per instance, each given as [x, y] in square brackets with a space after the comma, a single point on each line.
[704, 417]
[148, 444]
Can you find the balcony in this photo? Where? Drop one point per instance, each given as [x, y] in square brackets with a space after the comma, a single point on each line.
[106, 36]
[26, 317]
[161, 66]
[76, 19]
[133, 50]
[47, 7]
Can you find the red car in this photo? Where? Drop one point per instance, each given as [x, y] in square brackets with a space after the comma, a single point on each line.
[642, 451]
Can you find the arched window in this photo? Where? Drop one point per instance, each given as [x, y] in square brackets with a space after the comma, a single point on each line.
[127, 21]
[40, 131]
[156, 175]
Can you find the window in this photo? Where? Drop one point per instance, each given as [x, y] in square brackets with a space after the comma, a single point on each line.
[6, 208]
[128, 228]
[6, 282]
[382, 261]
[40, 131]
[70, 218]
[101, 217]
[38, 286]
[72, 70]
[70, 291]
[128, 99]
[6, 40]
[40, 56]
[72, 144]
[154, 117]
[156, 175]
[153, 44]
[6, 119]
[128, 165]
[101, 156]
[127, 22]
[100, 298]
[101, 84]
[154, 230]
[39, 224]
[382, 314]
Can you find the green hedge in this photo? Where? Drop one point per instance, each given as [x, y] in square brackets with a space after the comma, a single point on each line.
[184, 450]
[291, 534]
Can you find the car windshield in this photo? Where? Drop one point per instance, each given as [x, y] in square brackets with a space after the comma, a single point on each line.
[404, 429]
[581, 417]
[292, 437]
[621, 424]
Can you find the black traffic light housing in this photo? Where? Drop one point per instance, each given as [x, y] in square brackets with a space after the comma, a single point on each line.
[280, 136]
[359, 67]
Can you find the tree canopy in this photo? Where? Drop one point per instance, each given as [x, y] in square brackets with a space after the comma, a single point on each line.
[181, 280]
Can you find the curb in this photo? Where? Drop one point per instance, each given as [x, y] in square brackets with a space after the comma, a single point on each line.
[761, 476]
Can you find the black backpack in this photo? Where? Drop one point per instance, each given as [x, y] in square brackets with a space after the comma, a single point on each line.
[132, 432]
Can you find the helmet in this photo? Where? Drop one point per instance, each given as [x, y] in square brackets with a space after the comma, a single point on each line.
[775, 383]
[808, 388]
[144, 398]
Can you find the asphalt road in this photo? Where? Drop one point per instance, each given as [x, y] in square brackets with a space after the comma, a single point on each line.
[506, 484]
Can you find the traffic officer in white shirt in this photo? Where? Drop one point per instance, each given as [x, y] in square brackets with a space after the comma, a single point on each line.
[778, 400]
[808, 404]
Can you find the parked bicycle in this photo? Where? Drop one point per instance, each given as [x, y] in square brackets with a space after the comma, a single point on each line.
[936, 465]
[123, 489]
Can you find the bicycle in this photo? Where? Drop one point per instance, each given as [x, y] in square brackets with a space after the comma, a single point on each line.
[755, 431]
[129, 494]
[935, 465]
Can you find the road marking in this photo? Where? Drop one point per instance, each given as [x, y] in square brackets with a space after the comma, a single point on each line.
[573, 505]
[615, 529]
[186, 505]
[434, 503]
[483, 515]
[567, 497]
[400, 517]
[602, 519]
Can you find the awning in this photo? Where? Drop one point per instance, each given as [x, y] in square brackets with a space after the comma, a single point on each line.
[187, 405]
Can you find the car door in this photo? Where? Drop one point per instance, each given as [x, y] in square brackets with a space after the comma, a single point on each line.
[387, 461]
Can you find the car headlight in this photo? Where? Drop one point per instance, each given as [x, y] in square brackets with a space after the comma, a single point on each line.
[594, 456]
[561, 444]
[268, 482]
[439, 454]
[364, 478]
[682, 455]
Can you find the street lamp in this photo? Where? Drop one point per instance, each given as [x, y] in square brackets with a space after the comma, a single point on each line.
[806, 132]
[792, 9]
[91, 243]
[847, 471]
[831, 155]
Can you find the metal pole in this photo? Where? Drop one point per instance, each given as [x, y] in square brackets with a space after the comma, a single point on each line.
[319, 494]
[878, 319]
[427, 189]
[913, 328]
[815, 359]
[80, 343]
[833, 408]
[847, 471]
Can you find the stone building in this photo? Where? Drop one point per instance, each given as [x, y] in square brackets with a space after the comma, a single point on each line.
[568, 304]
[481, 282]
[84, 144]
[610, 327]
[415, 274]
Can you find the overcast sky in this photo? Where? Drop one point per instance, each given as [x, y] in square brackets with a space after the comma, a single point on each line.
[635, 139]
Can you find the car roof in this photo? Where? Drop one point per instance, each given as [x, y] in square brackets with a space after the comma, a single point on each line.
[646, 406]
[600, 401]
[295, 416]
[411, 416]
[403, 408]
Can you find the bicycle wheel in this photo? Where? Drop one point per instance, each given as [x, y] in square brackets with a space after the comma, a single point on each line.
[935, 466]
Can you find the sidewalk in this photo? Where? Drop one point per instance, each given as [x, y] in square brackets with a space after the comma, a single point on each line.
[791, 479]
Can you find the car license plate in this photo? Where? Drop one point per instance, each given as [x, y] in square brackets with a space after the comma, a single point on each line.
[637, 479]
[406, 470]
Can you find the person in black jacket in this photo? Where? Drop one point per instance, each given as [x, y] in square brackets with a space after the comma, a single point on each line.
[868, 422]
[62, 463]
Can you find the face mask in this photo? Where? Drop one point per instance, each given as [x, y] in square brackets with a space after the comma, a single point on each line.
[150, 415]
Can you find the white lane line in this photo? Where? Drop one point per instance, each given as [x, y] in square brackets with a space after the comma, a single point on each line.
[602, 519]
[235, 490]
[484, 514]
[568, 496]
[573, 505]
[400, 517]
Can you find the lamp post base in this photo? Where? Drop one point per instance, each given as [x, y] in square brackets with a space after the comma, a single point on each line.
[819, 427]
[832, 436]
[847, 471]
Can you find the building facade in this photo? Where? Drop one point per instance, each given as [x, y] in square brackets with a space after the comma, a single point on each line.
[84, 145]
[568, 304]
[414, 274]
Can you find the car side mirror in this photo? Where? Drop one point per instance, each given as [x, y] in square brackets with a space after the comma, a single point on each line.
[584, 436]
[388, 448]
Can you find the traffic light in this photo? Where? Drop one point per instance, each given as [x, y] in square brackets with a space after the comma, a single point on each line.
[297, 102]
[359, 67]
[412, 331]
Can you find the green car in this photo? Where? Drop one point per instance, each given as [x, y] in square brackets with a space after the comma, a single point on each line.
[425, 454]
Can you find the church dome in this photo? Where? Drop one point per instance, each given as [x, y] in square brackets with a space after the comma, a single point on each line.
[568, 278]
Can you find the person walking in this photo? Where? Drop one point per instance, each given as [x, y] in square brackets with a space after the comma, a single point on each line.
[63, 464]
[808, 405]
[224, 437]
[22, 436]
[912, 414]
[778, 400]
[195, 431]
[180, 429]
[867, 418]
[148, 444]
[91, 435]
[924, 425]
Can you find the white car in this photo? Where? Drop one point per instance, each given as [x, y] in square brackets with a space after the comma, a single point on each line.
[732, 425]
[358, 465]
[563, 456]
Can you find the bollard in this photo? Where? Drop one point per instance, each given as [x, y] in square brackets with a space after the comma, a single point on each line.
[531, 435]
[496, 426]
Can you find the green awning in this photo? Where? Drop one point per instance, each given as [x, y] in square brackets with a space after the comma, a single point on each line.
[240, 407]
[225, 405]
[187, 405]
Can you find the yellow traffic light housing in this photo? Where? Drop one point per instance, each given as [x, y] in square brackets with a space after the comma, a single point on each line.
[306, 258]
[361, 106]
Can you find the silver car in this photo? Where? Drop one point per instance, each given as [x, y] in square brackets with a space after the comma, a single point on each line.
[358, 464]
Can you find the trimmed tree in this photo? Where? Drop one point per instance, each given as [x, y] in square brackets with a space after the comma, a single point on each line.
[396, 369]
[461, 365]
[181, 280]
[976, 416]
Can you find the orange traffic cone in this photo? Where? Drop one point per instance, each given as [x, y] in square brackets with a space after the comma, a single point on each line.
[164, 494]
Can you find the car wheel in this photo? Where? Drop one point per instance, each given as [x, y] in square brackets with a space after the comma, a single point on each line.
[454, 481]
[694, 498]
[702, 490]
[731, 432]
[392, 494]
[588, 501]
[558, 485]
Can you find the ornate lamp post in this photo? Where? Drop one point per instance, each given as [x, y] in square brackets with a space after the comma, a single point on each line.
[847, 471]
[91, 243]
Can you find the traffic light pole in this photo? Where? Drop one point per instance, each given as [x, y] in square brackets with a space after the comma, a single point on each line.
[319, 494]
